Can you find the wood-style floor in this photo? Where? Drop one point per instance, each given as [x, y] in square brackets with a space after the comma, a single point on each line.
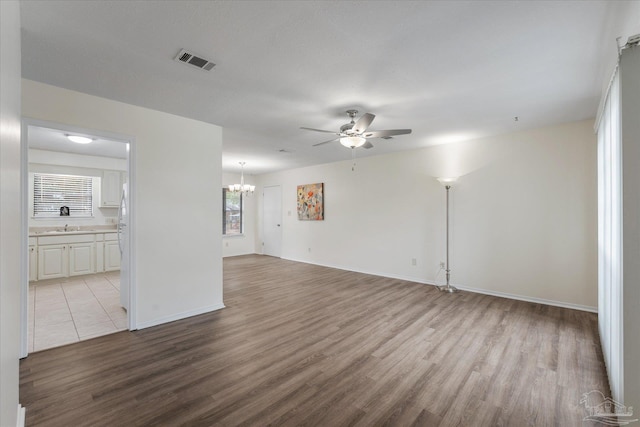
[306, 345]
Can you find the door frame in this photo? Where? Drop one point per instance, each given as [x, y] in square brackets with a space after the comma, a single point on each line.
[24, 226]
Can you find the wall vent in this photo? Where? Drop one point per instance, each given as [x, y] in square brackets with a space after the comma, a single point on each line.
[193, 59]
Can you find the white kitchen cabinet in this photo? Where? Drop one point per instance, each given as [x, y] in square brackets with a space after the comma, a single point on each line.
[111, 252]
[111, 189]
[53, 261]
[33, 263]
[99, 253]
[66, 255]
[81, 259]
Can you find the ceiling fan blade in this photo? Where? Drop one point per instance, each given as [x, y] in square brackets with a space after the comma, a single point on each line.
[320, 130]
[363, 123]
[382, 133]
[367, 145]
[325, 142]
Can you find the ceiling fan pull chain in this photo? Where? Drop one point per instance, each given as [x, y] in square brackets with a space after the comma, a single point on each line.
[353, 157]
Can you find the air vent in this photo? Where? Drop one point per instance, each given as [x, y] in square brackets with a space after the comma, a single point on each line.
[193, 59]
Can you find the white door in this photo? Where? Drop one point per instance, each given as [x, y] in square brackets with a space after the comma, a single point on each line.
[272, 221]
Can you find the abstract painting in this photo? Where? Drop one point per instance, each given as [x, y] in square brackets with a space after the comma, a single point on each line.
[311, 202]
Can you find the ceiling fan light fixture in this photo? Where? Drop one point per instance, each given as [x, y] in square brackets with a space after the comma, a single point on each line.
[353, 141]
[79, 139]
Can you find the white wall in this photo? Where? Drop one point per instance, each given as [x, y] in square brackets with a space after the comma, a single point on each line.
[523, 214]
[244, 244]
[177, 204]
[73, 164]
[9, 210]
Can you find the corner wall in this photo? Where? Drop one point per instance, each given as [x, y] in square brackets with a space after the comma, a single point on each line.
[523, 215]
[177, 205]
[10, 202]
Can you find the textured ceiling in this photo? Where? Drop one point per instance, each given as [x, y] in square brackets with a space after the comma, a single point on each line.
[449, 70]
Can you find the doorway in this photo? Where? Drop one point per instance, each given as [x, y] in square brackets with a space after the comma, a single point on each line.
[76, 274]
[272, 222]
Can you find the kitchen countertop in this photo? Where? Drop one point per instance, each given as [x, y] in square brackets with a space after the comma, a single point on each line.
[70, 231]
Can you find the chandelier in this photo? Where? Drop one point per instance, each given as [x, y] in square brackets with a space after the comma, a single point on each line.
[242, 187]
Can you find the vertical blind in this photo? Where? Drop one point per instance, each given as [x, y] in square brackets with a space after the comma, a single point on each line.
[610, 310]
[51, 192]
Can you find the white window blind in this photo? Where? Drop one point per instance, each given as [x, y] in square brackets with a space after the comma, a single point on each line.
[51, 192]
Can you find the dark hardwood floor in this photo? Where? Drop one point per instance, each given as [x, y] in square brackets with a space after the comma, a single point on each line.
[306, 345]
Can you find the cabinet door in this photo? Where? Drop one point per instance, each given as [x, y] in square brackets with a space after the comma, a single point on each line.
[33, 263]
[111, 256]
[99, 257]
[110, 189]
[81, 259]
[53, 261]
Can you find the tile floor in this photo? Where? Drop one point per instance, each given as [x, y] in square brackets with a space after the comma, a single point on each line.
[64, 311]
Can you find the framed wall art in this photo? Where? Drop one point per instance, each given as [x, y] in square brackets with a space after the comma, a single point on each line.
[311, 202]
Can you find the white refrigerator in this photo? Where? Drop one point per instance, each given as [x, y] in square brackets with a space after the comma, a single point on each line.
[123, 244]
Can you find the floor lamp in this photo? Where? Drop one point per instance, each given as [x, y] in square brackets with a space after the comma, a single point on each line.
[448, 183]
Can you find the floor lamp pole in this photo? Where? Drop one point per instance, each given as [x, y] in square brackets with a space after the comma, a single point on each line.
[448, 287]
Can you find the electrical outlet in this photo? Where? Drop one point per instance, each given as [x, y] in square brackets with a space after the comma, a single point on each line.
[441, 264]
[309, 249]
[413, 261]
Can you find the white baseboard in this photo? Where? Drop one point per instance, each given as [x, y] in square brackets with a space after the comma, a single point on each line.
[467, 288]
[22, 413]
[180, 316]
[529, 299]
[372, 273]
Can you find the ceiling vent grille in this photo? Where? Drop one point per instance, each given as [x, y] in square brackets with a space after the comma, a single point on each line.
[191, 58]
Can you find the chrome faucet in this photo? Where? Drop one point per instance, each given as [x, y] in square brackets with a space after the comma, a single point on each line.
[65, 227]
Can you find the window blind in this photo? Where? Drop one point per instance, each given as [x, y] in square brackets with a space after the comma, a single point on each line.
[51, 192]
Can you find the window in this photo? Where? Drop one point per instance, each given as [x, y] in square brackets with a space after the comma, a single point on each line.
[231, 212]
[52, 192]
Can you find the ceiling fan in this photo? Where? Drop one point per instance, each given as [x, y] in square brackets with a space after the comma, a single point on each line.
[354, 134]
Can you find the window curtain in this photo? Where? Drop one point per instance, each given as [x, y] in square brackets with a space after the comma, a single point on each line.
[610, 309]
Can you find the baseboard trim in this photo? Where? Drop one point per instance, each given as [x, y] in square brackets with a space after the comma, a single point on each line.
[372, 273]
[529, 299]
[466, 288]
[22, 414]
[180, 316]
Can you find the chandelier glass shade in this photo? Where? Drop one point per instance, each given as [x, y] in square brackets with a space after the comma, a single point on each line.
[242, 187]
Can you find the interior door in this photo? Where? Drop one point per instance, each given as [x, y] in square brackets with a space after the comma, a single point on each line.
[272, 221]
